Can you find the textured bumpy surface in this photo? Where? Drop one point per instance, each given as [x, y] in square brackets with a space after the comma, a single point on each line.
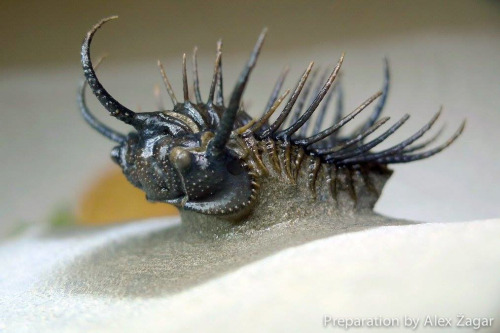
[216, 163]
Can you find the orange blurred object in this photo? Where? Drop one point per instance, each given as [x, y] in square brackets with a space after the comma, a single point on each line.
[112, 199]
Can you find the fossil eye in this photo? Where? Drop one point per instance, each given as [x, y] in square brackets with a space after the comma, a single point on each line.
[180, 158]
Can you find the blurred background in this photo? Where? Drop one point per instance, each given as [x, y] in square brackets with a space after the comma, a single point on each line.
[55, 169]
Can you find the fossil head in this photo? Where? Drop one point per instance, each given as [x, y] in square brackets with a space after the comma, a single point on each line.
[184, 156]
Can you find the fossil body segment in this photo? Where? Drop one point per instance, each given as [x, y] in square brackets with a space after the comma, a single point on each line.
[210, 157]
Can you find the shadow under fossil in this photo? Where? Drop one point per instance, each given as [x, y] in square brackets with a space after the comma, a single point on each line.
[204, 247]
[175, 259]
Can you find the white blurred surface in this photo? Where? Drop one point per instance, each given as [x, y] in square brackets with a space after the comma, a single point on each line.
[421, 270]
[49, 154]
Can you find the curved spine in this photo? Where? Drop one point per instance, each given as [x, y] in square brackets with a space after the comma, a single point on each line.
[116, 109]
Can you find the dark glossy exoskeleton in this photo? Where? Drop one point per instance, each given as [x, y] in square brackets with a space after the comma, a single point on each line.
[208, 156]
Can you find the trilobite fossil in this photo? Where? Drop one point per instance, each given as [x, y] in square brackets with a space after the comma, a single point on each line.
[210, 157]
